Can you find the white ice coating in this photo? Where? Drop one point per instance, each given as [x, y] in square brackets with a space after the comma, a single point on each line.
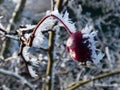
[28, 27]
[29, 55]
[25, 53]
[32, 72]
[65, 18]
[1, 26]
[88, 32]
[40, 40]
[34, 61]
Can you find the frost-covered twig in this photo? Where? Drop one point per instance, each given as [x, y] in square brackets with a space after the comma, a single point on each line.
[17, 76]
[64, 20]
[18, 33]
[107, 85]
[56, 17]
[11, 35]
[109, 60]
[75, 85]
[20, 53]
[50, 67]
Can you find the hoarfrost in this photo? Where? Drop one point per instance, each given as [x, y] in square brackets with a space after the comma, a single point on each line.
[65, 19]
[32, 72]
[88, 32]
[25, 53]
[40, 40]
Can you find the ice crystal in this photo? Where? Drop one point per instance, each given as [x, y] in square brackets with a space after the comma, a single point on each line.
[32, 72]
[89, 33]
[39, 40]
[65, 18]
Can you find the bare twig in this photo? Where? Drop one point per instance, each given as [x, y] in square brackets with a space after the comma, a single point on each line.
[17, 76]
[49, 71]
[3, 31]
[80, 83]
[59, 5]
[50, 60]
[108, 57]
[11, 35]
[107, 85]
[16, 14]
[21, 54]
[52, 5]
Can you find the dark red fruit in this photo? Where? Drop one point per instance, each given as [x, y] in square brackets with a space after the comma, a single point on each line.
[78, 47]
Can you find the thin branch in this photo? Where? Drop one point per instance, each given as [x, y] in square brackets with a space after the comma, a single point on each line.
[52, 5]
[56, 17]
[107, 85]
[17, 76]
[26, 29]
[50, 60]
[59, 5]
[4, 31]
[62, 72]
[11, 35]
[49, 71]
[22, 56]
[75, 85]
[16, 14]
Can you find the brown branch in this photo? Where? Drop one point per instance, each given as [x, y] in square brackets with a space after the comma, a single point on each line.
[52, 5]
[75, 85]
[59, 5]
[51, 47]
[50, 60]
[50, 53]
[22, 45]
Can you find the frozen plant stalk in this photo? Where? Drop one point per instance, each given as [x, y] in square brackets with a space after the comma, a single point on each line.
[80, 44]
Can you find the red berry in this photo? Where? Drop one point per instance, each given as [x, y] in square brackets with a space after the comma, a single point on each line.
[78, 47]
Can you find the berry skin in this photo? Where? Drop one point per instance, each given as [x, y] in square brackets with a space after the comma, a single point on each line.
[77, 47]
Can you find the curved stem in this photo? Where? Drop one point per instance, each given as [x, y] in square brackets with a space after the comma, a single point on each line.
[52, 15]
[65, 26]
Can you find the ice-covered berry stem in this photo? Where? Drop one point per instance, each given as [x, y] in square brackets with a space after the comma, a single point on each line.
[54, 16]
